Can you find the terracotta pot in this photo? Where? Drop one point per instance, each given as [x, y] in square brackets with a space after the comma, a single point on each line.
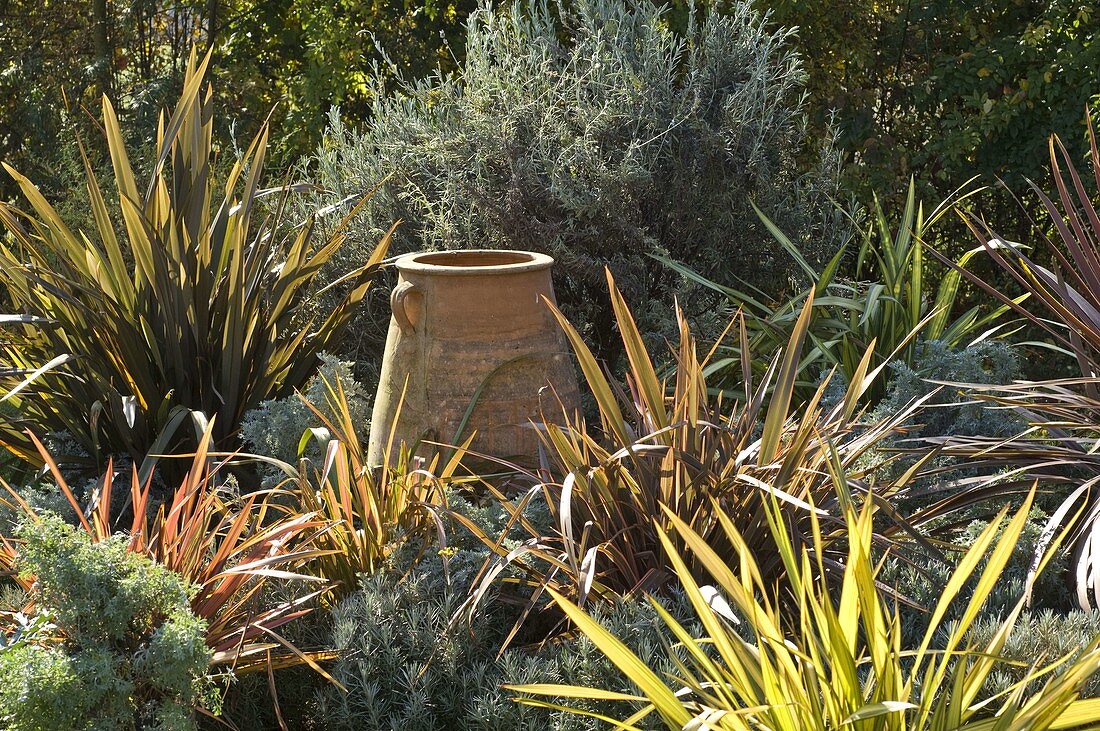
[471, 327]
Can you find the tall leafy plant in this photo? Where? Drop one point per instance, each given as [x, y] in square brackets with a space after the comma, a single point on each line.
[232, 549]
[194, 310]
[669, 442]
[839, 662]
[888, 302]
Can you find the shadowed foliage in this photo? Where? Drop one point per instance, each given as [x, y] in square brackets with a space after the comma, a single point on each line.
[194, 311]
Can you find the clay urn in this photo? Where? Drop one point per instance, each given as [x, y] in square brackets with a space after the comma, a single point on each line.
[472, 348]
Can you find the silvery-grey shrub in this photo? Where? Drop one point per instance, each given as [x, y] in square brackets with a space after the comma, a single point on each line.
[407, 666]
[952, 410]
[592, 131]
[275, 428]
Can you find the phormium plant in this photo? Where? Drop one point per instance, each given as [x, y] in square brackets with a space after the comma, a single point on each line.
[838, 662]
[194, 312]
[671, 443]
[231, 548]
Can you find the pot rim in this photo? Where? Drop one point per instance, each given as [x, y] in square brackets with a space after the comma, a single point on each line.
[421, 262]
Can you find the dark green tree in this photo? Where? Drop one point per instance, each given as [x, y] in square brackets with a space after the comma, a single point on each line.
[946, 89]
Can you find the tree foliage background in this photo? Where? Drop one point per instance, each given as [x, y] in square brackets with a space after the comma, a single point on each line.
[937, 89]
[947, 89]
[290, 59]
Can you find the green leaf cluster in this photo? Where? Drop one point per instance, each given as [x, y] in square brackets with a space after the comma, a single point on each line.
[946, 90]
[892, 298]
[125, 652]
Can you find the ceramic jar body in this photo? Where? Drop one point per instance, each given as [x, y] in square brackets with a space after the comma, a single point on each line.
[474, 348]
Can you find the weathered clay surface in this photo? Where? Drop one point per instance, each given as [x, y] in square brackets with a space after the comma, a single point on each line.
[471, 327]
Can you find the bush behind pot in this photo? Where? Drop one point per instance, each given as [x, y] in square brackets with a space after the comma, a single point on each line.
[593, 132]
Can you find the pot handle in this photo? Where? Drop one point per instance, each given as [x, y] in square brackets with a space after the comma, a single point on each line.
[397, 305]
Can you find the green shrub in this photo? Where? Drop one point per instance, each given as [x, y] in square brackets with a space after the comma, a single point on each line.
[402, 666]
[593, 132]
[951, 411]
[406, 667]
[1040, 637]
[275, 428]
[398, 606]
[922, 581]
[1051, 628]
[577, 661]
[47, 688]
[946, 90]
[122, 650]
